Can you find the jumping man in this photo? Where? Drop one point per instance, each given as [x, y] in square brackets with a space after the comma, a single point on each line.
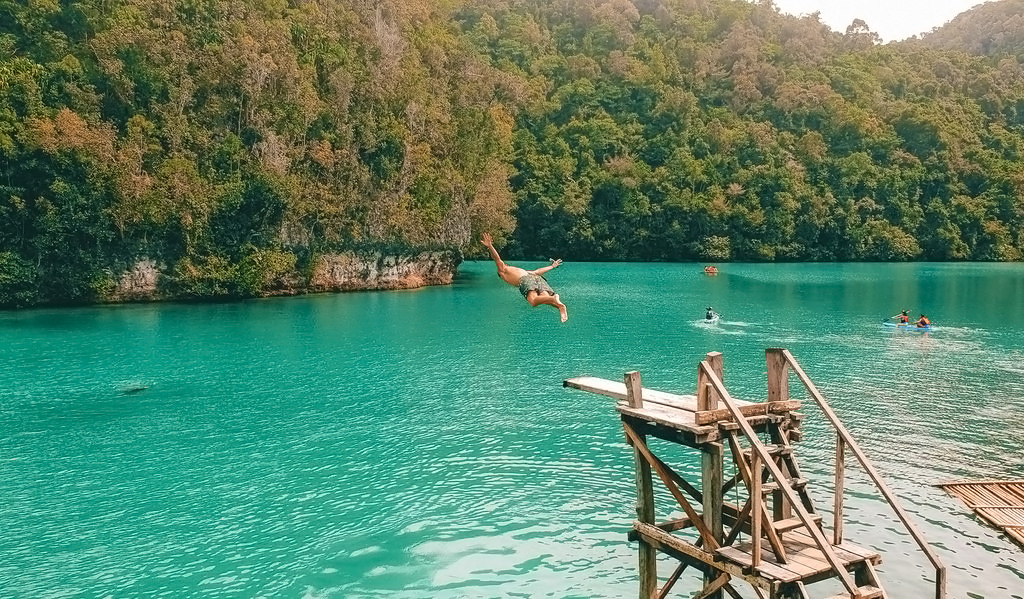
[530, 282]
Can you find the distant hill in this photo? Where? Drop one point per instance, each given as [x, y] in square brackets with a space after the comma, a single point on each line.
[989, 29]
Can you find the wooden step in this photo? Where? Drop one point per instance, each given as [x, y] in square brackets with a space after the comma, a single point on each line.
[794, 523]
[864, 592]
[795, 483]
[772, 450]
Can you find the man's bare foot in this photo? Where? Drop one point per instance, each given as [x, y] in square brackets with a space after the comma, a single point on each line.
[561, 308]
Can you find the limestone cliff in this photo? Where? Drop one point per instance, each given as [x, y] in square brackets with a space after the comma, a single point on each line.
[342, 271]
[376, 270]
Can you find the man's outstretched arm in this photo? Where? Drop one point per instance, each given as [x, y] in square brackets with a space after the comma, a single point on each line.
[489, 244]
[554, 264]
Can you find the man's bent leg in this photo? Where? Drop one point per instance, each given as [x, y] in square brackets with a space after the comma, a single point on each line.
[537, 299]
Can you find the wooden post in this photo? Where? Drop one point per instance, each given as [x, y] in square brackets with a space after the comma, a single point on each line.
[778, 375]
[712, 475]
[707, 398]
[778, 390]
[837, 512]
[644, 495]
[756, 505]
[634, 389]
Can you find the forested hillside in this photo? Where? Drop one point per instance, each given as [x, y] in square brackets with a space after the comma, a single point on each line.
[713, 129]
[231, 143]
[992, 29]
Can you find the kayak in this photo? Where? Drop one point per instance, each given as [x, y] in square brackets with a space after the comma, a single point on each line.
[712, 320]
[907, 327]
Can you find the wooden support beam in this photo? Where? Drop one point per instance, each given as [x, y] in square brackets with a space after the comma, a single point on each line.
[837, 504]
[709, 416]
[692, 514]
[679, 480]
[684, 551]
[712, 471]
[714, 587]
[738, 523]
[671, 582]
[705, 532]
[756, 509]
[729, 484]
[648, 555]
[744, 468]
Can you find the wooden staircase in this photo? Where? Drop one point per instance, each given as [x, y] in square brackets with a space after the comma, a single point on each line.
[774, 539]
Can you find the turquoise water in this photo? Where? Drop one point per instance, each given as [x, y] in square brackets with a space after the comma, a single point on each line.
[419, 444]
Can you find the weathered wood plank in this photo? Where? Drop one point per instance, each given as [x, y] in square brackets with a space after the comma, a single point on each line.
[617, 390]
[790, 495]
[749, 409]
[800, 538]
[768, 569]
[684, 403]
[682, 550]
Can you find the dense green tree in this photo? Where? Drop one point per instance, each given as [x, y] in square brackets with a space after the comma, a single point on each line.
[231, 143]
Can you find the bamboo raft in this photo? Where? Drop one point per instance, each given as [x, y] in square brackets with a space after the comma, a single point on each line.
[787, 547]
[1000, 503]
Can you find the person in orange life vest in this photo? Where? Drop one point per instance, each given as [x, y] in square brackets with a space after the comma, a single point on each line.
[923, 322]
[904, 317]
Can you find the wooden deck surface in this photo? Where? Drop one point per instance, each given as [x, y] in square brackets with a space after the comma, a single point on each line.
[676, 411]
[805, 562]
[1000, 503]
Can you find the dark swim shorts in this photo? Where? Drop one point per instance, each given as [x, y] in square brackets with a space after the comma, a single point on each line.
[534, 283]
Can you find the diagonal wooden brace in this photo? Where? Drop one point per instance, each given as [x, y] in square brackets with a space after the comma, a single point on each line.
[705, 533]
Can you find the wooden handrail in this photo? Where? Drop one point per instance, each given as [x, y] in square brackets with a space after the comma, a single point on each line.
[766, 459]
[851, 444]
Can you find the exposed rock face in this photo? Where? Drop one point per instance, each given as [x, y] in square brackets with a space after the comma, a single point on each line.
[345, 271]
[138, 283]
[375, 270]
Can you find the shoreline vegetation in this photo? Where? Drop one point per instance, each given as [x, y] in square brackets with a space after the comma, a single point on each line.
[219, 150]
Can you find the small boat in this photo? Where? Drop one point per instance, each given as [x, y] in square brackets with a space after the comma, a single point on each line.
[907, 327]
[713, 320]
[710, 270]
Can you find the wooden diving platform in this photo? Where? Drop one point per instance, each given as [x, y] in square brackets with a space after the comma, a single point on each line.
[998, 502]
[696, 418]
[772, 537]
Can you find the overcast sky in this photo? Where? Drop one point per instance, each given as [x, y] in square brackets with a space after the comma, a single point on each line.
[891, 19]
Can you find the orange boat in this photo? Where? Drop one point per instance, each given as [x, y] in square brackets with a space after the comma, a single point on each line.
[711, 270]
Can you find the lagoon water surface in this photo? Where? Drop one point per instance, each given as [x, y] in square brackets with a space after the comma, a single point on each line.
[420, 445]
